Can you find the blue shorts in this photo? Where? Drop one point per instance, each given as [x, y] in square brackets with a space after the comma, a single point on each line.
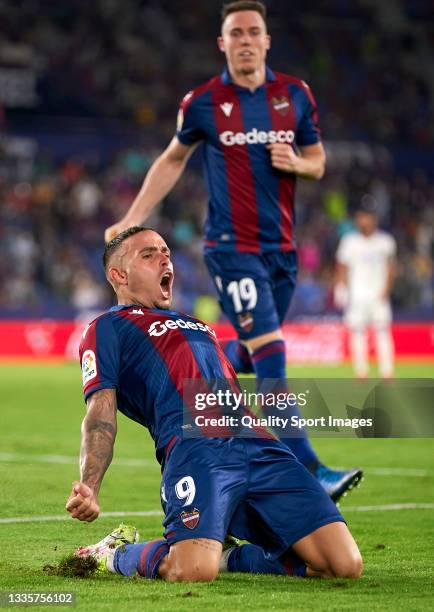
[255, 291]
[253, 489]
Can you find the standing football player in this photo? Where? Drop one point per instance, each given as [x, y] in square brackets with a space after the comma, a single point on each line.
[260, 132]
[366, 269]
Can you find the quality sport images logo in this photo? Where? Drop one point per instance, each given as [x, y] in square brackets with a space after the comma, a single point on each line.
[88, 366]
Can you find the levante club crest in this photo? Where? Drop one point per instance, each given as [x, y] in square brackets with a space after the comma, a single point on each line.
[281, 105]
[245, 321]
[190, 519]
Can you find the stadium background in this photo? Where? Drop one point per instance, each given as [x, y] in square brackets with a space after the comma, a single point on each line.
[88, 98]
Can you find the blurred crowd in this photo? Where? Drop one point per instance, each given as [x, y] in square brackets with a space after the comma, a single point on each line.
[52, 231]
[370, 65]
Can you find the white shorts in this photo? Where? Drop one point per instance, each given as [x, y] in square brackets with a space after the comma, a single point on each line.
[374, 312]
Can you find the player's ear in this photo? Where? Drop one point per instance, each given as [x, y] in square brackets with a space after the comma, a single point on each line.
[117, 276]
[221, 43]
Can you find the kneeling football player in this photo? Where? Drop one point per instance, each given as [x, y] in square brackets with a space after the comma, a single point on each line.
[135, 358]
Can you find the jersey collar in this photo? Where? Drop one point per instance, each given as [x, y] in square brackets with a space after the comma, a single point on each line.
[227, 79]
[119, 307]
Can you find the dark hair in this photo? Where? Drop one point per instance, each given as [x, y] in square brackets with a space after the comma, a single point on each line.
[116, 242]
[368, 204]
[244, 5]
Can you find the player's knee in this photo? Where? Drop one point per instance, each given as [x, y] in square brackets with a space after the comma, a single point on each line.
[189, 562]
[192, 570]
[348, 566]
[192, 573]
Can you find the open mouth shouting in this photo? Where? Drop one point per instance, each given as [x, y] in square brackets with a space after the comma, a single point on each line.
[166, 282]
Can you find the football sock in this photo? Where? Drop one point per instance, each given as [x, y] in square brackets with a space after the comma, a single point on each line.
[384, 349]
[254, 560]
[143, 558]
[359, 352]
[238, 355]
[269, 362]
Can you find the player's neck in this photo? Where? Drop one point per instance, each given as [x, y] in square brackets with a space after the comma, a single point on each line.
[126, 299]
[250, 81]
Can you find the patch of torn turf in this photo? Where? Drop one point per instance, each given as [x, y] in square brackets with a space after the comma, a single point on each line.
[73, 567]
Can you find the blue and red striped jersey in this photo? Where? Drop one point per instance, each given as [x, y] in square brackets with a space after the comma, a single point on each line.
[147, 355]
[251, 204]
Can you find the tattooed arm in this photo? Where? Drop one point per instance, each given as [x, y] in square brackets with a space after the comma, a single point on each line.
[98, 433]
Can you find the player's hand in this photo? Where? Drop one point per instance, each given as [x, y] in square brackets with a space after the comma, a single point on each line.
[115, 229]
[340, 295]
[283, 157]
[82, 504]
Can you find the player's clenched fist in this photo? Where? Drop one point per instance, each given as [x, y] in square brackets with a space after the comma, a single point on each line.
[283, 157]
[82, 504]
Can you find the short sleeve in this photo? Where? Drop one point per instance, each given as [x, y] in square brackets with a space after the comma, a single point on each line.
[99, 356]
[308, 131]
[343, 254]
[188, 130]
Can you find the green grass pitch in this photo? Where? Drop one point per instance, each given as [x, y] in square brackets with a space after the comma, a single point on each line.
[40, 431]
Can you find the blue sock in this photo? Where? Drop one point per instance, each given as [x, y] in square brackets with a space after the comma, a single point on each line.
[238, 355]
[269, 362]
[143, 558]
[254, 560]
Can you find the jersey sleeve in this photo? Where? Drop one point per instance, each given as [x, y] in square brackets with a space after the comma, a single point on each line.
[188, 130]
[99, 356]
[343, 254]
[308, 131]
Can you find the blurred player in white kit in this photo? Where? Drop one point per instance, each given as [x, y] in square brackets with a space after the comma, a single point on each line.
[366, 269]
